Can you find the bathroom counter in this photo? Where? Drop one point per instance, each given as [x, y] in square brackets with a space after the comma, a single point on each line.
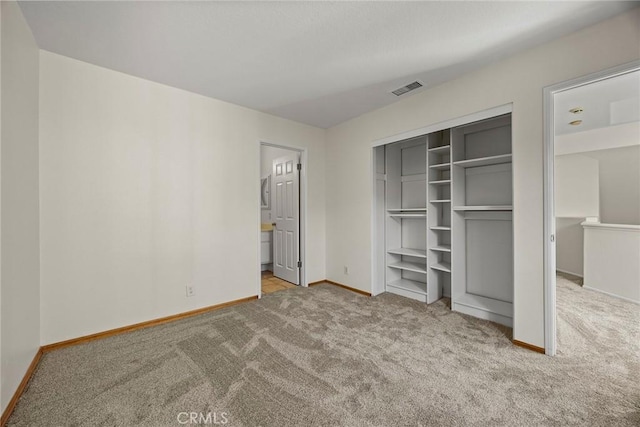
[266, 227]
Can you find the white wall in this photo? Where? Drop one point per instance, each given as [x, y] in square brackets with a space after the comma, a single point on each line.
[618, 136]
[577, 196]
[611, 255]
[20, 275]
[577, 192]
[267, 155]
[619, 184]
[147, 188]
[518, 80]
[604, 181]
[617, 150]
[570, 246]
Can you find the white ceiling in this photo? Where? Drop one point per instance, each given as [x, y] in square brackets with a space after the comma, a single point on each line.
[319, 63]
[609, 102]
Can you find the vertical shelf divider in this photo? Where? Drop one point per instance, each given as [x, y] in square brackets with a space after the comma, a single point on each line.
[438, 192]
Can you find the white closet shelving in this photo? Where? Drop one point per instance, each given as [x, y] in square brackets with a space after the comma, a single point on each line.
[484, 161]
[439, 221]
[448, 218]
[442, 266]
[441, 166]
[402, 210]
[441, 227]
[441, 182]
[484, 208]
[418, 253]
[407, 215]
[409, 266]
[406, 202]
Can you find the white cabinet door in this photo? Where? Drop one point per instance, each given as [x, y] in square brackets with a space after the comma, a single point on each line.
[286, 210]
[266, 248]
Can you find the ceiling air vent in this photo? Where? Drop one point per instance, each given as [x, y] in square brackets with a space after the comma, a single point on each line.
[407, 88]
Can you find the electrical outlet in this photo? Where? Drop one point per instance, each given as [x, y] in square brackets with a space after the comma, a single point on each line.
[190, 291]
[346, 270]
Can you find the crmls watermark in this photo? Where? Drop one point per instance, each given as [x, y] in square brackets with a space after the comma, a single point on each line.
[208, 418]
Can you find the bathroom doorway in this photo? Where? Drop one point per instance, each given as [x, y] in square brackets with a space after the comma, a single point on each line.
[592, 209]
[282, 217]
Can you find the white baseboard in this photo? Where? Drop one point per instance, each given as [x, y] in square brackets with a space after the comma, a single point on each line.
[610, 294]
[570, 272]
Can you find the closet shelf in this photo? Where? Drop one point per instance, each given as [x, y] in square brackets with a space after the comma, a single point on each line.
[441, 248]
[418, 253]
[408, 215]
[484, 208]
[441, 166]
[441, 149]
[407, 210]
[409, 266]
[409, 285]
[442, 266]
[484, 161]
[441, 227]
[440, 182]
[441, 201]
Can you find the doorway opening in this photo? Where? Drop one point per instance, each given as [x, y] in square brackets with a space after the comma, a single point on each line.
[592, 203]
[282, 218]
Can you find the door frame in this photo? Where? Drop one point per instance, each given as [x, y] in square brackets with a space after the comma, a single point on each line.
[303, 210]
[550, 339]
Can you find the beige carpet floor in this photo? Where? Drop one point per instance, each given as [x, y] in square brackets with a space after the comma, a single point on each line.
[326, 356]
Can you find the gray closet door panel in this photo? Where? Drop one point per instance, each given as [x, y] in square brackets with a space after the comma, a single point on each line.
[489, 142]
[414, 194]
[413, 160]
[489, 253]
[489, 185]
[410, 275]
[414, 235]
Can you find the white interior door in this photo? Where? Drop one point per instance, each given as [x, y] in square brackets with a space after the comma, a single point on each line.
[286, 233]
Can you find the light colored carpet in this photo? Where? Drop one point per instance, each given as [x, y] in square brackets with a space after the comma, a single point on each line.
[327, 356]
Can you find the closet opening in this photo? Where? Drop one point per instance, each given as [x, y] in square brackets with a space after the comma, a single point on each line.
[282, 218]
[592, 208]
[443, 215]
